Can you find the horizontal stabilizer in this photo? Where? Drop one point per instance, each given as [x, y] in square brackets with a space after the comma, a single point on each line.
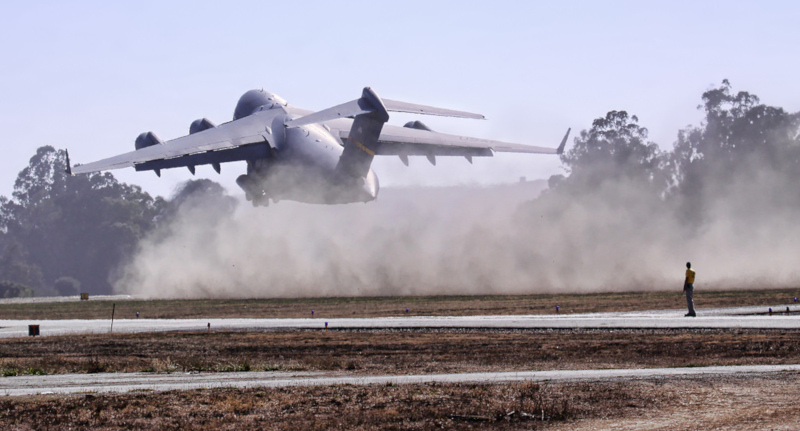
[370, 102]
[412, 108]
[349, 109]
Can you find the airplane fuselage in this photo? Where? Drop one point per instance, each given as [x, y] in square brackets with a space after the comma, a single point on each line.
[303, 163]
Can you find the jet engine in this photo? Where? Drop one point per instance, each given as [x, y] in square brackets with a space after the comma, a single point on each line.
[200, 124]
[146, 139]
[417, 125]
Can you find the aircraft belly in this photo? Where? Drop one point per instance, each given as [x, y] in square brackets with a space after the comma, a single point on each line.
[305, 171]
[305, 184]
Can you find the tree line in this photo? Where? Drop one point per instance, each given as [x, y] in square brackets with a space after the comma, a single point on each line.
[744, 152]
[724, 193]
[62, 234]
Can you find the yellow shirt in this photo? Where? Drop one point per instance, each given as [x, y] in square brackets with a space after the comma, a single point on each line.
[689, 276]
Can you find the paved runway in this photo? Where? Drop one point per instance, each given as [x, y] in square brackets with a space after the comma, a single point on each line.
[144, 382]
[741, 317]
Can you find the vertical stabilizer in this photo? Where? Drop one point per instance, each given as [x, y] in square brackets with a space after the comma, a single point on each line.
[359, 149]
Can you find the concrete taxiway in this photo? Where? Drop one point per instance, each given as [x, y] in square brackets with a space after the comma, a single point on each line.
[740, 317]
[145, 382]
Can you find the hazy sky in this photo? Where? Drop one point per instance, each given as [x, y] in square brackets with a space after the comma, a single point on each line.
[90, 76]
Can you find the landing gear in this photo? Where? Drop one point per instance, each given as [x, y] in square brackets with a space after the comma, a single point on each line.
[260, 201]
[253, 191]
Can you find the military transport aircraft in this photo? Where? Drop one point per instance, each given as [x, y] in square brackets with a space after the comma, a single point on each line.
[294, 154]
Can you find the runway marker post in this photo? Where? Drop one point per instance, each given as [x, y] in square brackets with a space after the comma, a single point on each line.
[113, 309]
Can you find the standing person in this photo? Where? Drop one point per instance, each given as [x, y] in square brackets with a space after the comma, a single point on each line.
[688, 288]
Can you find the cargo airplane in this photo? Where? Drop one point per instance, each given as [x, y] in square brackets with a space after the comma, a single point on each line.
[321, 157]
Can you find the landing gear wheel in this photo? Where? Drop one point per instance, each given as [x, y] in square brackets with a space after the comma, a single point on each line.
[260, 201]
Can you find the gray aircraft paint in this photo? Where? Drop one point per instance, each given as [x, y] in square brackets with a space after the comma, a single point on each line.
[321, 157]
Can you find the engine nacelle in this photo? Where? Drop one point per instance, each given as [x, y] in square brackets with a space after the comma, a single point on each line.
[419, 125]
[146, 139]
[200, 124]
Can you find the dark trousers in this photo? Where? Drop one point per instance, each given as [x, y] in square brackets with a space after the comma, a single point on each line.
[689, 289]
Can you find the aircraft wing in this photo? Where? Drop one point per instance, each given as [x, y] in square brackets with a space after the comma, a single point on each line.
[236, 140]
[251, 138]
[406, 141]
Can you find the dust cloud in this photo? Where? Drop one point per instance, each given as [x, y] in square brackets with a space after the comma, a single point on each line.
[413, 241]
[459, 240]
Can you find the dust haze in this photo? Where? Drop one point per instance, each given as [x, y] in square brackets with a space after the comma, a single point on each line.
[627, 218]
[414, 241]
[456, 240]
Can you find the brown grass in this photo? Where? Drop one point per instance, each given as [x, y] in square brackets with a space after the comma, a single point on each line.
[737, 403]
[396, 351]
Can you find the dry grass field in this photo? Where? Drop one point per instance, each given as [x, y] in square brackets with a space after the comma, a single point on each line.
[765, 402]
[396, 351]
[392, 306]
[755, 402]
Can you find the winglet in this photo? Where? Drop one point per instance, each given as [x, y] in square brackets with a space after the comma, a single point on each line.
[69, 166]
[563, 143]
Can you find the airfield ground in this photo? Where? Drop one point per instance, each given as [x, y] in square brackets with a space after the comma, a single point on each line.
[390, 306]
[755, 402]
[416, 351]
[763, 402]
